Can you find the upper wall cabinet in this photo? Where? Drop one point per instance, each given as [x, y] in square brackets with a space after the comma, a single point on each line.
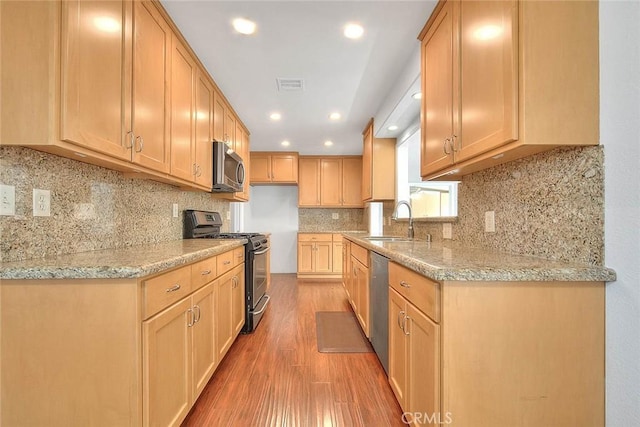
[110, 83]
[378, 167]
[503, 80]
[274, 167]
[333, 181]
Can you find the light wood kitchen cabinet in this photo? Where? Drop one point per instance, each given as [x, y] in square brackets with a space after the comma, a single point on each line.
[498, 85]
[103, 92]
[202, 147]
[378, 166]
[446, 339]
[333, 181]
[315, 254]
[347, 268]
[337, 263]
[414, 341]
[183, 79]
[224, 122]
[360, 285]
[154, 337]
[230, 309]
[274, 167]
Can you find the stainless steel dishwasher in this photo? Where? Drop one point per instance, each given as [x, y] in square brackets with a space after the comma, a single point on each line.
[379, 307]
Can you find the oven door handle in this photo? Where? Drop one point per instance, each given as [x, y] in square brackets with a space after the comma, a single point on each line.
[264, 307]
[264, 251]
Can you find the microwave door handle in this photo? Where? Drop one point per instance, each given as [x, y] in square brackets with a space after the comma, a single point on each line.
[240, 173]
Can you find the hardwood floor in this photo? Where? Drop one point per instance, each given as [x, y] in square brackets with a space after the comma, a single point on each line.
[276, 376]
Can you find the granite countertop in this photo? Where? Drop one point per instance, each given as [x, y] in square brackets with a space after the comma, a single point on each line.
[130, 262]
[454, 262]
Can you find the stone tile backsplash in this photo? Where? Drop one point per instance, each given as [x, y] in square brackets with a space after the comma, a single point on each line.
[310, 220]
[91, 207]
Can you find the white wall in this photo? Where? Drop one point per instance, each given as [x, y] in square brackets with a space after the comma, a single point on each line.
[274, 209]
[620, 135]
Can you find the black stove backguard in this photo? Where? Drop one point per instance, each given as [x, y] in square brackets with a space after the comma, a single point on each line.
[199, 224]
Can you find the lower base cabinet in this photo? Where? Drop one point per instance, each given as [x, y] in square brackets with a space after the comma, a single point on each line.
[111, 352]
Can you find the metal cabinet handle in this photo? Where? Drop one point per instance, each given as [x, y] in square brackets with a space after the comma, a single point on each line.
[205, 272]
[196, 311]
[445, 146]
[234, 280]
[404, 325]
[453, 140]
[226, 263]
[173, 288]
[400, 315]
[190, 316]
[199, 169]
[131, 139]
[405, 284]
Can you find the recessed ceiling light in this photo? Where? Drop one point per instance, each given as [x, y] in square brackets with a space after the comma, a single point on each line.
[285, 143]
[335, 116]
[353, 31]
[417, 95]
[275, 116]
[328, 143]
[392, 127]
[244, 26]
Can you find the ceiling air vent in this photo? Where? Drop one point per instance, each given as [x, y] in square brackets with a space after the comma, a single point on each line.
[289, 84]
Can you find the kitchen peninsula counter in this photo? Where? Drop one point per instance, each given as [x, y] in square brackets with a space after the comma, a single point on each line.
[123, 263]
[452, 261]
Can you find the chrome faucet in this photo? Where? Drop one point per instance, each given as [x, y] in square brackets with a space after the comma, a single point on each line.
[395, 216]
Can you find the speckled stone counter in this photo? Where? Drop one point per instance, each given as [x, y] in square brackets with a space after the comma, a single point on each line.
[454, 262]
[130, 262]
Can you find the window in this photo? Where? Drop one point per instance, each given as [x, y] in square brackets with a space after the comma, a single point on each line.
[428, 199]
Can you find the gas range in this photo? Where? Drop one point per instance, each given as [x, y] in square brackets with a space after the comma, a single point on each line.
[206, 225]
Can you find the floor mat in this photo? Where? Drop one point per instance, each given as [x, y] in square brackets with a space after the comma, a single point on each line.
[339, 332]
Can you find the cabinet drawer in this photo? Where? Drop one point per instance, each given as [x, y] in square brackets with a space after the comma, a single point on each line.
[238, 256]
[360, 253]
[164, 290]
[203, 272]
[225, 262]
[314, 237]
[417, 289]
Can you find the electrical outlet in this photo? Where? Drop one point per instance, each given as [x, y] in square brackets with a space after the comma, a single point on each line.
[490, 222]
[41, 202]
[175, 210]
[446, 230]
[7, 200]
[335, 215]
[228, 215]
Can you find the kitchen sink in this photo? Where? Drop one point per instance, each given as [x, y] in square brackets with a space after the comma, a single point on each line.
[390, 238]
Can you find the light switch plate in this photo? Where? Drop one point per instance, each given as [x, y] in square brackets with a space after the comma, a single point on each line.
[335, 215]
[7, 200]
[41, 202]
[490, 222]
[175, 210]
[446, 230]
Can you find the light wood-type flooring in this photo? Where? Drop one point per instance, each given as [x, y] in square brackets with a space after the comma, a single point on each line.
[277, 377]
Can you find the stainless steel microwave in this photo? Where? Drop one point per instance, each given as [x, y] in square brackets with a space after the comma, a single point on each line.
[228, 169]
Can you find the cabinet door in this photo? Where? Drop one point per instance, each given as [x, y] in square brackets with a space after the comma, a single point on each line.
[203, 131]
[423, 363]
[397, 348]
[238, 310]
[166, 365]
[96, 76]
[346, 267]
[488, 76]
[204, 353]
[260, 168]
[439, 105]
[337, 257]
[352, 182]
[331, 182]
[367, 160]
[229, 128]
[284, 168]
[151, 50]
[323, 257]
[362, 289]
[309, 182]
[183, 73]
[306, 257]
[224, 313]
[219, 112]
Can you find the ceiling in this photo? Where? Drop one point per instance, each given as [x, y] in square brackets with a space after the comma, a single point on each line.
[303, 39]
